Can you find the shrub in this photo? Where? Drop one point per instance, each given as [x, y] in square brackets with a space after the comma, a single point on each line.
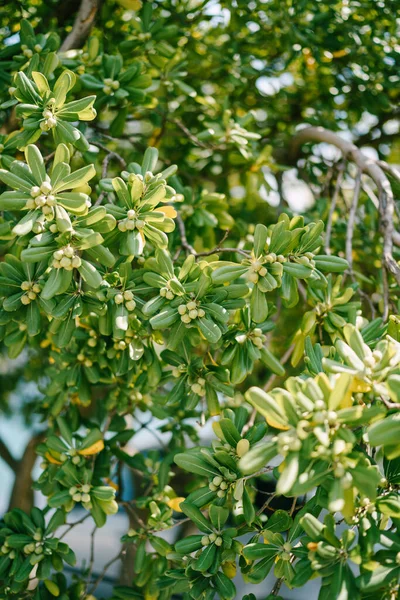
[139, 290]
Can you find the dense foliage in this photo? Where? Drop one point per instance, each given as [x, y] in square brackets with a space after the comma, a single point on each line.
[157, 274]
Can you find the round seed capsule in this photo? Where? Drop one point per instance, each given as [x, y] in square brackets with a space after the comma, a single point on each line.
[119, 299]
[182, 309]
[131, 305]
[128, 295]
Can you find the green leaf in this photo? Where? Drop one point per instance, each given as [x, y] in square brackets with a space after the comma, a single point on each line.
[195, 464]
[260, 239]
[218, 516]
[195, 515]
[209, 329]
[90, 274]
[257, 457]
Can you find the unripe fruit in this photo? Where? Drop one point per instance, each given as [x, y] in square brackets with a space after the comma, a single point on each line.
[46, 187]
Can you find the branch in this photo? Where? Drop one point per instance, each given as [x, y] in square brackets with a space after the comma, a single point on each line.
[369, 167]
[22, 492]
[352, 220]
[219, 248]
[82, 25]
[335, 197]
[6, 455]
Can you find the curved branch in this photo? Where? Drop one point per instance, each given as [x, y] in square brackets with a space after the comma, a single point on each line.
[369, 167]
[82, 25]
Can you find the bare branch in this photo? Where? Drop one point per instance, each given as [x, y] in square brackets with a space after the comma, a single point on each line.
[371, 168]
[189, 248]
[82, 25]
[182, 233]
[335, 197]
[352, 220]
[22, 492]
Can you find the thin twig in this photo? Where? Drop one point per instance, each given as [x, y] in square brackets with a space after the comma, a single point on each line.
[385, 285]
[352, 220]
[182, 233]
[110, 155]
[71, 525]
[187, 246]
[91, 561]
[119, 556]
[335, 197]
